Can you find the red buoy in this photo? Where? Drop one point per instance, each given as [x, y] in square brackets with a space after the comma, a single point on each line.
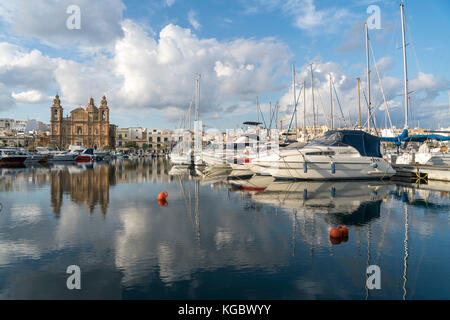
[335, 233]
[163, 195]
[344, 231]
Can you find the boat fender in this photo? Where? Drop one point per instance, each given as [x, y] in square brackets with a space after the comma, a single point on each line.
[333, 168]
[305, 167]
[374, 165]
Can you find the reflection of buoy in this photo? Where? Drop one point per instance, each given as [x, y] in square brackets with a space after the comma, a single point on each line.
[162, 202]
[335, 233]
[335, 240]
[344, 231]
[163, 195]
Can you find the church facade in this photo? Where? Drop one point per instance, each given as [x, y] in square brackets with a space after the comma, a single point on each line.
[88, 126]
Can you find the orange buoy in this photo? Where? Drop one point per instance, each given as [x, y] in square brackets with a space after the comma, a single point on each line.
[162, 202]
[344, 231]
[163, 195]
[335, 233]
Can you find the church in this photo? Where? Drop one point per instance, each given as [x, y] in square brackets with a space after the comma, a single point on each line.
[88, 126]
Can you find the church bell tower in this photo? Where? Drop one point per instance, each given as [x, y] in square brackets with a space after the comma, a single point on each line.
[56, 121]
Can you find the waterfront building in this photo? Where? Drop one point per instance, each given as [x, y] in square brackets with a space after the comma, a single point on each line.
[159, 140]
[134, 137]
[88, 126]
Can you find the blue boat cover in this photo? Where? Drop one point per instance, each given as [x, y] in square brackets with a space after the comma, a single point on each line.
[366, 144]
[416, 138]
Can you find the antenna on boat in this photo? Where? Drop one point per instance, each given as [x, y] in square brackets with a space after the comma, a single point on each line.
[405, 65]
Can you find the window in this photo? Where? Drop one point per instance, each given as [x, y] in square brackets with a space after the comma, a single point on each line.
[120, 136]
[150, 139]
[79, 130]
[103, 115]
[158, 139]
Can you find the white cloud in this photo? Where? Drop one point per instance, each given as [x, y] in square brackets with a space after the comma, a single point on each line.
[192, 18]
[31, 96]
[426, 86]
[169, 3]
[306, 15]
[46, 21]
[161, 72]
[6, 100]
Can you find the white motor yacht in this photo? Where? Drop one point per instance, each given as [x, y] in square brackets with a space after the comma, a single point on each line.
[339, 154]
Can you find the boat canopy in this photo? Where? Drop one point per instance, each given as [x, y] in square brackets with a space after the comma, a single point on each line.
[404, 137]
[366, 144]
[252, 123]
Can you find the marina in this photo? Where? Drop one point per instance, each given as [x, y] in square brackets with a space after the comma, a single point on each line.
[216, 238]
[224, 151]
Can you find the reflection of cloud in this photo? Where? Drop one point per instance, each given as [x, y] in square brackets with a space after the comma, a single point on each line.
[29, 213]
[10, 251]
[223, 238]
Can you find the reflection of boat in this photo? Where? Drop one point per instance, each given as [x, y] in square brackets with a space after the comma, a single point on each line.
[255, 184]
[323, 197]
[339, 154]
[179, 170]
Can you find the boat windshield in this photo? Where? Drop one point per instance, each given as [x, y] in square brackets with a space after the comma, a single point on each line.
[330, 138]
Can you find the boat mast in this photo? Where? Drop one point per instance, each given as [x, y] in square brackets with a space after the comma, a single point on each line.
[359, 104]
[295, 100]
[197, 100]
[312, 93]
[331, 103]
[368, 78]
[405, 66]
[304, 109]
[257, 107]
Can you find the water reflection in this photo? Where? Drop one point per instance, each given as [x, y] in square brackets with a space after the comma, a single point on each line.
[218, 236]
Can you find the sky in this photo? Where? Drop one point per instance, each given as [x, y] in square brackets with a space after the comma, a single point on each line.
[145, 56]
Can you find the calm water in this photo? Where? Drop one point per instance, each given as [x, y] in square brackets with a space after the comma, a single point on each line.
[216, 239]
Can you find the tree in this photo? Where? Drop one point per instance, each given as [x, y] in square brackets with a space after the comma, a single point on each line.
[130, 144]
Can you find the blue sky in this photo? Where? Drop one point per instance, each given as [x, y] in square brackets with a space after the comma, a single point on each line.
[145, 56]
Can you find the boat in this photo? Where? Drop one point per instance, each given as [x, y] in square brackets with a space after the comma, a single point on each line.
[11, 158]
[324, 197]
[85, 156]
[338, 154]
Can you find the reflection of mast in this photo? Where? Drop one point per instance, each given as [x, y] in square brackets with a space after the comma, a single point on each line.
[197, 213]
[294, 234]
[368, 258]
[405, 261]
